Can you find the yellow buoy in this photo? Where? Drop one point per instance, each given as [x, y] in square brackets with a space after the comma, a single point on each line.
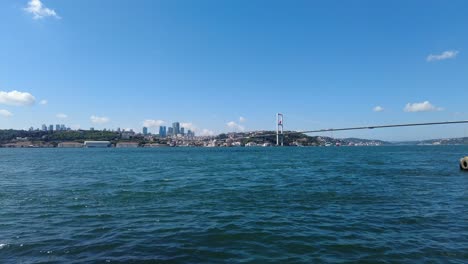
[464, 163]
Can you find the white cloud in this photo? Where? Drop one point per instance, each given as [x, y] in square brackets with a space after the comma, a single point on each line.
[242, 119]
[61, 116]
[5, 113]
[378, 109]
[188, 126]
[43, 102]
[194, 128]
[99, 120]
[153, 123]
[39, 11]
[16, 98]
[231, 124]
[449, 54]
[425, 106]
[206, 132]
[235, 126]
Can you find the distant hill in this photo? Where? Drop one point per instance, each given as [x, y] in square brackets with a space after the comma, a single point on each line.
[299, 139]
[11, 135]
[444, 141]
[360, 140]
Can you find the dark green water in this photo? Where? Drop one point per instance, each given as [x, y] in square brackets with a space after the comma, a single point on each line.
[262, 205]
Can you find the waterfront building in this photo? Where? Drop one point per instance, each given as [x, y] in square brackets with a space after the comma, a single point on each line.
[51, 128]
[97, 144]
[155, 145]
[127, 145]
[170, 131]
[176, 128]
[69, 145]
[182, 130]
[145, 131]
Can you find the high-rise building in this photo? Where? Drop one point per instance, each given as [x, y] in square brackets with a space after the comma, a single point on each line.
[44, 127]
[57, 127]
[92, 128]
[62, 127]
[162, 131]
[170, 131]
[145, 131]
[51, 128]
[176, 128]
[190, 133]
[182, 131]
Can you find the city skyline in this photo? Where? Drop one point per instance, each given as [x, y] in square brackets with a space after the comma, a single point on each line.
[175, 130]
[228, 67]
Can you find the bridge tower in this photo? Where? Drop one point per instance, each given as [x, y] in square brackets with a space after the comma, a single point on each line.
[279, 129]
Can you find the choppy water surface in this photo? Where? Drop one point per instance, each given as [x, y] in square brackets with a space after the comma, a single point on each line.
[288, 205]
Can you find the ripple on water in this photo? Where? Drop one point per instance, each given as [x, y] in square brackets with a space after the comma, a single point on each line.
[304, 205]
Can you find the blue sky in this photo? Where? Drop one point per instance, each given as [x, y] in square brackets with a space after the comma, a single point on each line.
[323, 64]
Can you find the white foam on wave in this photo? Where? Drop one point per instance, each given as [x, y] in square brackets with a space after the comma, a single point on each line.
[3, 245]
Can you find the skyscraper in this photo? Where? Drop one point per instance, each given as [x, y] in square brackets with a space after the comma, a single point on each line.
[170, 131]
[44, 127]
[182, 130]
[176, 128]
[145, 131]
[162, 131]
[57, 127]
[51, 128]
[190, 133]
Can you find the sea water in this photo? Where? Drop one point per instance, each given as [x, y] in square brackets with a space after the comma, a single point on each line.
[211, 205]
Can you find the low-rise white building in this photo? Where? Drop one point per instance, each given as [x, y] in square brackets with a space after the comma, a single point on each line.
[69, 145]
[127, 145]
[156, 145]
[97, 144]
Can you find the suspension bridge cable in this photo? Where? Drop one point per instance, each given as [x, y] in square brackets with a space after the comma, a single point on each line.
[359, 128]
